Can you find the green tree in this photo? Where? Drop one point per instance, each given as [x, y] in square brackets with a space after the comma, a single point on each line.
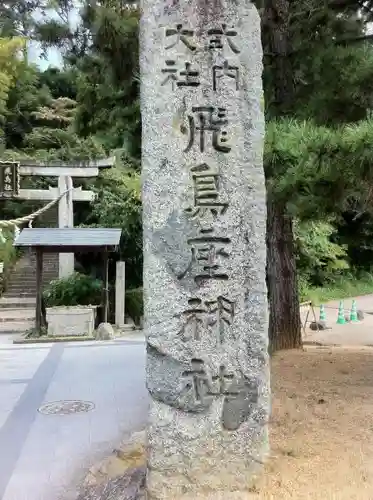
[60, 82]
[319, 259]
[108, 87]
[308, 73]
[24, 98]
[107, 83]
[9, 67]
[16, 17]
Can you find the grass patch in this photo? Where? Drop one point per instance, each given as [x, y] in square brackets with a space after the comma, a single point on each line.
[342, 289]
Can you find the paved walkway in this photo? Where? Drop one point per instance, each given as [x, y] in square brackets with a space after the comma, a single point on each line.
[43, 455]
[350, 334]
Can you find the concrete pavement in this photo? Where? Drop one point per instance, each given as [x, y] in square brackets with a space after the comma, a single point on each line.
[43, 455]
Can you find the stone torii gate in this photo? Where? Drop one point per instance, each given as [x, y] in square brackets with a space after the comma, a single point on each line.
[65, 173]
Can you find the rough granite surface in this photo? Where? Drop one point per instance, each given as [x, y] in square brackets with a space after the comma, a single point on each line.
[128, 486]
[104, 331]
[204, 220]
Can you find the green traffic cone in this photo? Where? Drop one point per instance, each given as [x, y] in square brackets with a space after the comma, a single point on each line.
[353, 314]
[341, 314]
[322, 313]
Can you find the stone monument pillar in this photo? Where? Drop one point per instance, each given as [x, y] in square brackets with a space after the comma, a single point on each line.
[204, 247]
[65, 219]
[120, 294]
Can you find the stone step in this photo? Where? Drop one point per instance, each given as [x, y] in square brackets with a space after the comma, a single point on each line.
[14, 295]
[17, 302]
[31, 278]
[21, 291]
[16, 314]
[47, 269]
[25, 283]
[32, 268]
[16, 326]
[22, 282]
[29, 269]
[24, 287]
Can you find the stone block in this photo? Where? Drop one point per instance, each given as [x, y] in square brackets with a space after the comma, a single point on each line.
[71, 321]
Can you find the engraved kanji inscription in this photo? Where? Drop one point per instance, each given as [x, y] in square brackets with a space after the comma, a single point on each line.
[9, 179]
[181, 34]
[205, 386]
[225, 70]
[218, 35]
[197, 381]
[195, 320]
[211, 316]
[187, 77]
[221, 384]
[206, 251]
[208, 119]
[206, 192]
[221, 314]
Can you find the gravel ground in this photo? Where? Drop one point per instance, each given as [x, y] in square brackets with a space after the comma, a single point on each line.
[321, 426]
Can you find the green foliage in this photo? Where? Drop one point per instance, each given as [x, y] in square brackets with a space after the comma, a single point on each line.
[340, 85]
[108, 86]
[317, 160]
[319, 259]
[77, 289]
[7, 250]
[8, 255]
[57, 28]
[356, 233]
[318, 170]
[61, 83]
[17, 16]
[24, 98]
[135, 304]
[9, 66]
[118, 204]
[345, 286]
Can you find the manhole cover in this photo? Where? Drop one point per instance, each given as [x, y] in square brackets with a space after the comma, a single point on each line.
[66, 407]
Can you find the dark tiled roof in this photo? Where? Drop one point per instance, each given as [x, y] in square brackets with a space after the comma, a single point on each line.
[102, 163]
[68, 237]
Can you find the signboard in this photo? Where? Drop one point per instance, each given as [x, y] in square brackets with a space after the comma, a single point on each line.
[9, 179]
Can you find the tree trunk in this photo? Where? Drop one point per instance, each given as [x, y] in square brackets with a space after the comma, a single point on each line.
[284, 316]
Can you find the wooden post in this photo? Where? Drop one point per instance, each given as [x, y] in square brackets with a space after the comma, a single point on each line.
[106, 285]
[39, 290]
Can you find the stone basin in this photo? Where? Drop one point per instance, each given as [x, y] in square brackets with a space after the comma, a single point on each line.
[71, 321]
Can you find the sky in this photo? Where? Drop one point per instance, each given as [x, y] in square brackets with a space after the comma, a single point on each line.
[53, 57]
